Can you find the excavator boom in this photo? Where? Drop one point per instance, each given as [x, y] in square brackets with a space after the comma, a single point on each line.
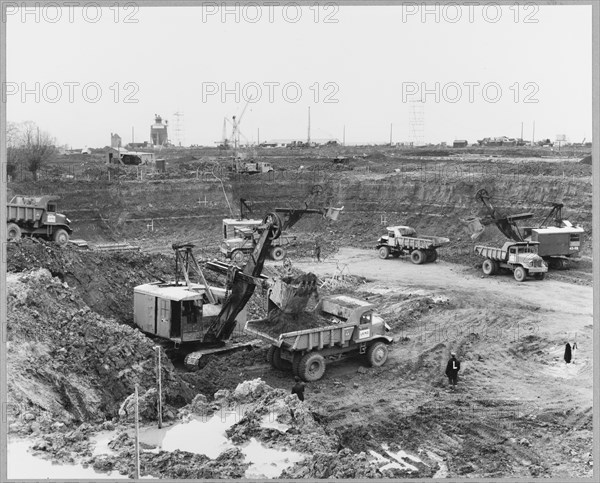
[505, 223]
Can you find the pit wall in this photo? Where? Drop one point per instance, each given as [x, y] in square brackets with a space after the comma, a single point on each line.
[126, 209]
[432, 204]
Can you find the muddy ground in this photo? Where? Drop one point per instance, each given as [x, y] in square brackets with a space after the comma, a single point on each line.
[519, 410]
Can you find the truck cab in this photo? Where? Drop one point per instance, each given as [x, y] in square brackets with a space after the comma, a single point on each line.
[395, 232]
[238, 238]
[525, 254]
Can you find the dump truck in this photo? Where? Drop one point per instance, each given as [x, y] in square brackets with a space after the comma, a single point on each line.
[254, 167]
[37, 216]
[341, 326]
[559, 239]
[519, 257]
[240, 238]
[404, 240]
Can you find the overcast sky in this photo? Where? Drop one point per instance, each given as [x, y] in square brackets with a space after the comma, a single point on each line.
[81, 74]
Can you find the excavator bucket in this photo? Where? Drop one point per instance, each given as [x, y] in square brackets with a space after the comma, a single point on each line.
[333, 213]
[291, 294]
[474, 227]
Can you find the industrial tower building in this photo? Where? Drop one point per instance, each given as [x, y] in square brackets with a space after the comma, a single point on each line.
[158, 131]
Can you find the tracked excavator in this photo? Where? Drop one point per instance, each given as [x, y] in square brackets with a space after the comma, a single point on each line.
[558, 239]
[197, 319]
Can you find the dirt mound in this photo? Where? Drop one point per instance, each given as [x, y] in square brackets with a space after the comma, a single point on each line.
[67, 363]
[169, 464]
[103, 280]
[279, 322]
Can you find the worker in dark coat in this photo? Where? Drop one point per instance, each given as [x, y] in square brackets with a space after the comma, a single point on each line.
[298, 388]
[452, 369]
[317, 251]
[568, 353]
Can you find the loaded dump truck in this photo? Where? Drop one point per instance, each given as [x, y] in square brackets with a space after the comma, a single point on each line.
[520, 257]
[37, 216]
[338, 327]
[403, 240]
[559, 240]
[240, 238]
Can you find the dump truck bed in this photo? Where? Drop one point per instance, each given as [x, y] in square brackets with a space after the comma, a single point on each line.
[305, 339]
[493, 253]
[23, 214]
[28, 209]
[422, 242]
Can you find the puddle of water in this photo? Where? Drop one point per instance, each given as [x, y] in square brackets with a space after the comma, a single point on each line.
[396, 459]
[378, 457]
[268, 422]
[101, 441]
[199, 436]
[267, 462]
[442, 472]
[21, 464]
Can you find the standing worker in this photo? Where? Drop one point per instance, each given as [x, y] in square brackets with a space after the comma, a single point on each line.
[317, 251]
[298, 388]
[452, 369]
[568, 354]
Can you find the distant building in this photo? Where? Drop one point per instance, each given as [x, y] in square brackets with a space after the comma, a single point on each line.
[115, 140]
[134, 146]
[158, 132]
[498, 141]
[296, 143]
[460, 143]
[131, 158]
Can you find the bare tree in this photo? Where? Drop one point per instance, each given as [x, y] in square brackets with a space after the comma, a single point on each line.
[37, 147]
[13, 152]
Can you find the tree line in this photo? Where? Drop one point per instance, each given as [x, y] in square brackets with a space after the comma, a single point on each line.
[28, 146]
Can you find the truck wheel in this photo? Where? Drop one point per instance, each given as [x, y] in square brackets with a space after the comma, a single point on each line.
[296, 364]
[238, 257]
[13, 232]
[539, 275]
[520, 274]
[61, 237]
[432, 256]
[384, 252]
[417, 257]
[312, 367]
[275, 359]
[488, 267]
[277, 254]
[377, 354]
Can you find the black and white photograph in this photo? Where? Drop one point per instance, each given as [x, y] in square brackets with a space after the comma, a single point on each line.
[299, 240]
